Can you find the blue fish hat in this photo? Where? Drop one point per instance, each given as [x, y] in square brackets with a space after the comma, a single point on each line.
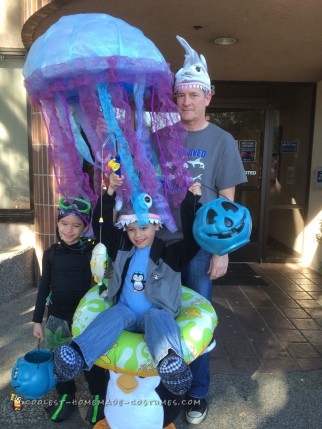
[194, 73]
[222, 226]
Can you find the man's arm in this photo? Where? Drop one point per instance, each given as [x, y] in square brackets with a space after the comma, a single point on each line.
[219, 264]
[228, 193]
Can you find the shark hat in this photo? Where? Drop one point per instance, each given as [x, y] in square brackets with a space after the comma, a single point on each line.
[143, 213]
[194, 73]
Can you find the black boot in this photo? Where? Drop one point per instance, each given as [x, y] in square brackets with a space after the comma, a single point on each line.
[95, 411]
[64, 409]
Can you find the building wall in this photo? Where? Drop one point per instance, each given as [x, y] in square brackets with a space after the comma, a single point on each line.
[10, 24]
[43, 177]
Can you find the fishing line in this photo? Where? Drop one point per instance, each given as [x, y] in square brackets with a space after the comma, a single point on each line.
[214, 190]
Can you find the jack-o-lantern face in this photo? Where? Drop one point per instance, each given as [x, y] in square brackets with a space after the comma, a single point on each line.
[222, 226]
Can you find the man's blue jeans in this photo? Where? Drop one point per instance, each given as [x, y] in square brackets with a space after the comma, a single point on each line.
[161, 332]
[195, 276]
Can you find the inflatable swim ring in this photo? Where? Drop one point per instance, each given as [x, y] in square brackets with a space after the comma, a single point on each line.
[197, 321]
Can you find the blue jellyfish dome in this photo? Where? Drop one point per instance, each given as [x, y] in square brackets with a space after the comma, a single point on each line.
[84, 44]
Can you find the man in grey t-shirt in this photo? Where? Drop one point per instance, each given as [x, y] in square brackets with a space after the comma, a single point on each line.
[213, 159]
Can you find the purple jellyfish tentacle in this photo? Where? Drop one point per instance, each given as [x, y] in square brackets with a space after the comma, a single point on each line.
[72, 153]
[92, 139]
[81, 145]
[46, 110]
[57, 138]
[90, 114]
[66, 163]
[161, 153]
[171, 138]
[176, 160]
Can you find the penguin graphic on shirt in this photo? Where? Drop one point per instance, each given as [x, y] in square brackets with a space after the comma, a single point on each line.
[138, 282]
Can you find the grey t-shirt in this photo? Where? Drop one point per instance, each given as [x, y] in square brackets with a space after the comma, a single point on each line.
[213, 160]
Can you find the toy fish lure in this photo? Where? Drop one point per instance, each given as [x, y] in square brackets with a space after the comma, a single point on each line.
[99, 262]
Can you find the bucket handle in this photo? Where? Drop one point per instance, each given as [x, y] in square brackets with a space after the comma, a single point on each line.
[38, 354]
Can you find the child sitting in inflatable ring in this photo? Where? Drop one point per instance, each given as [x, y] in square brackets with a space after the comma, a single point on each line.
[145, 290]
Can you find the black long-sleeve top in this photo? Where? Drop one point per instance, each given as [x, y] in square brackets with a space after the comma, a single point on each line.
[66, 276]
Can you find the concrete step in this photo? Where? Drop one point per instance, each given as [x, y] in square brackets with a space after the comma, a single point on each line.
[17, 271]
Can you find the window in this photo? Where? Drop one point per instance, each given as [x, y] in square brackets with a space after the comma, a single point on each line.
[15, 174]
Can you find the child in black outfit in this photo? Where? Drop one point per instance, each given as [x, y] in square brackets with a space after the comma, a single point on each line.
[66, 277]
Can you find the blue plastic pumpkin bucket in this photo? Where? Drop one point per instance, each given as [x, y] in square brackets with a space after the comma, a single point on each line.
[32, 375]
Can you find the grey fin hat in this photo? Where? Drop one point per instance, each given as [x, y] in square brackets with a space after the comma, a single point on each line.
[146, 213]
[194, 73]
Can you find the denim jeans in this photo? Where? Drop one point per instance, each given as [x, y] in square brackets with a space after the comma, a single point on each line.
[195, 276]
[161, 332]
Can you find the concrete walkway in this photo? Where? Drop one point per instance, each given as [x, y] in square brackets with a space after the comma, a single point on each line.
[257, 394]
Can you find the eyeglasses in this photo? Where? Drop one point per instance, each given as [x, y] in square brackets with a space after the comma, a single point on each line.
[82, 206]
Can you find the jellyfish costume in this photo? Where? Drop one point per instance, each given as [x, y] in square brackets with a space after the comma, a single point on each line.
[103, 88]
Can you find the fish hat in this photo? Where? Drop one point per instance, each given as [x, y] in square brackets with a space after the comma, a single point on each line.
[128, 215]
[194, 73]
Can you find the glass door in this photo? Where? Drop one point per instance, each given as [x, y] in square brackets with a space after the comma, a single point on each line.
[247, 126]
[286, 191]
